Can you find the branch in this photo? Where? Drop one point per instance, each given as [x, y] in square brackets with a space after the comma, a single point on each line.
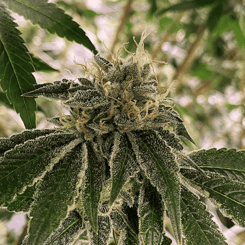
[165, 37]
[190, 56]
[126, 12]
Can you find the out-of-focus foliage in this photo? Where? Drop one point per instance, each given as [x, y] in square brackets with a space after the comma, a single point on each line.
[202, 41]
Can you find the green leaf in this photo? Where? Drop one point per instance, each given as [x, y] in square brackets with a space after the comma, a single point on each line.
[186, 6]
[104, 229]
[222, 26]
[49, 17]
[15, 69]
[158, 163]
[57, 90]
[229, 163]
[22, 202]
[214, 16]
[16, 139]
[170, 138]
[94, 166]
[40, 65]
[123, 165]
[235, 26]
[202, 71]
[227, 195]
[181, 131]
[26, 163]
[151, 213]
[198, 226]
[70, 228]
[57, 191]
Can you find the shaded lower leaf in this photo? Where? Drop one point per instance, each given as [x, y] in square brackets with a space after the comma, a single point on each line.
[123, 165]
[55, 192]
[94, 168]
[151, 213]
[28, 162]
[158, 162]
[70, 228]
[104, 228]
[198, 226]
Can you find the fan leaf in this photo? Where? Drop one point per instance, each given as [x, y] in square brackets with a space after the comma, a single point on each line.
[16, 69]
[70, 228]
[158, 162]
[227, 195]
[11, 142]
[49, 17]
[123, 165]
[229, 163]
[26, 163]
[55, 192]
[92, 184]
[198, 226]
[151, 213]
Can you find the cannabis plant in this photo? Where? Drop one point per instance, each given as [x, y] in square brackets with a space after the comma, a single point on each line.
[113, 169]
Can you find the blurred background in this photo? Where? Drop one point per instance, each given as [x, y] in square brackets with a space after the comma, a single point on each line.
[203, 43]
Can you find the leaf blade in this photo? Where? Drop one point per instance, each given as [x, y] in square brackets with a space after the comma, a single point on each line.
[58, 190]
[156, 159]
[123, 165]
[16, 69]
[198, 225]
[92, 184]
[49, 17]
[27, 163]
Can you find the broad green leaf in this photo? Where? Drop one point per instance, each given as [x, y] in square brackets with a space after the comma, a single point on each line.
[227, 195]
[22, 202]
[214, 16]
[198, 226]
[104, 229]
[27, 162]
[123, 165]
[70, 228]
[202, 71]
[151, 213]
[94, 166]
[222, 26]
[229, 163]
[235, 26]
[158, 163]
[57, 191]
[15, 69]
[40, 65]
[49, 17]
[16, 139]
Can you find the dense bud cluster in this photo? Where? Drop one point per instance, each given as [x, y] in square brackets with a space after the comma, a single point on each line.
[122, 96]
